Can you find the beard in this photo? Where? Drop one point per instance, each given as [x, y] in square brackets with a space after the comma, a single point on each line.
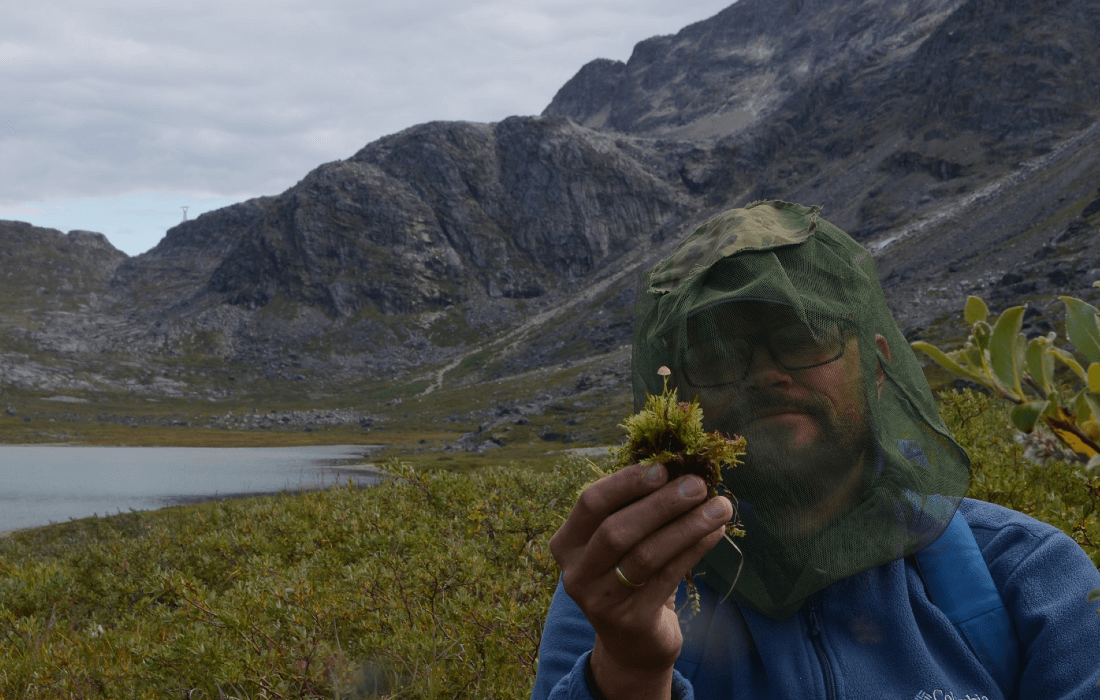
[778, 475]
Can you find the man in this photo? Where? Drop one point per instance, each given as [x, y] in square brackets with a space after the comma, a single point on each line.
[774, 319]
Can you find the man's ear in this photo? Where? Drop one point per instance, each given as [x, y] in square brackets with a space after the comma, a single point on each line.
[884, 348]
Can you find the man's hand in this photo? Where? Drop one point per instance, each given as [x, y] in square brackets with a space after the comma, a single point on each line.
[654, 532]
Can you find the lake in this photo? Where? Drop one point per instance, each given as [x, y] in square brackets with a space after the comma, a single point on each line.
[40, 484]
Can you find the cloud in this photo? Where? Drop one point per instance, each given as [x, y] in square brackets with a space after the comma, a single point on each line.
[243, 97]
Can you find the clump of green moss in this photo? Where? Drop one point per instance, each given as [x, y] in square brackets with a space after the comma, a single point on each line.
[670, 431]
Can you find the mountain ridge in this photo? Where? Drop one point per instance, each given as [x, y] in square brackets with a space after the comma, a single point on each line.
[955, 138]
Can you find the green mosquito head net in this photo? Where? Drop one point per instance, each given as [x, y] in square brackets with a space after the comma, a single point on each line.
[774, 320]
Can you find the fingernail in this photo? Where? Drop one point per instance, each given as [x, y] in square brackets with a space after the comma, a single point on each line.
[692, 487]
[715, 510]
[653, 474]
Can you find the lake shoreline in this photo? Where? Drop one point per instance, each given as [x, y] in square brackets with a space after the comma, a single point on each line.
[41, 485]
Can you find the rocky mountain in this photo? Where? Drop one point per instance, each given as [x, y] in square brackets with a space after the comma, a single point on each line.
[958, 139]
[52, 280]
[60, 266]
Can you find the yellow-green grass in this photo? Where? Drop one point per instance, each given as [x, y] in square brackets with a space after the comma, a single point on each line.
[419, 429]
[530, 458]
[41, 431]
[423, 448]
[427, 449]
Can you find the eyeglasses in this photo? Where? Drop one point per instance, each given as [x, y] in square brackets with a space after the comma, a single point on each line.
[726, 359]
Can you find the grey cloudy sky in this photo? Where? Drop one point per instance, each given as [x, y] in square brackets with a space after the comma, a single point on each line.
[118, 112]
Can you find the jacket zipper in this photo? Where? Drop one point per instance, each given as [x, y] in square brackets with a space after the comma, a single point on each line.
[819, 647]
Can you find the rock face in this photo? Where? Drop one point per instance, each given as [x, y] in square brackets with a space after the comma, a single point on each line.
[446, 223]
[735, 70]
[52, 285]
[446, 212]
[957, 139]
[990, 66]
[45, 263]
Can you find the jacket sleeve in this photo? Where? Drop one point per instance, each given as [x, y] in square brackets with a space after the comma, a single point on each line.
[1044, 579]
[567, 641]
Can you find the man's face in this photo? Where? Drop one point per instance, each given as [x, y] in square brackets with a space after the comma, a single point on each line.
[795, 392]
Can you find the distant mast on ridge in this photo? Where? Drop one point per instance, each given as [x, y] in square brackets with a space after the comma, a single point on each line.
[185, 212]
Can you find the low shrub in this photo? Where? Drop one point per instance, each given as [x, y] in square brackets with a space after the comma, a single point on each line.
[1064, 494]
[1048, 387]
[431, 585]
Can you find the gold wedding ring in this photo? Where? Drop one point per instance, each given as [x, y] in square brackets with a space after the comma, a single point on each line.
[624, 580]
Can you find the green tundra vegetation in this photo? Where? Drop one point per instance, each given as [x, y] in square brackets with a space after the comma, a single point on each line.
[429, 585]
[432, 585]
[435, 583]
[1046, 384]
[581, 405]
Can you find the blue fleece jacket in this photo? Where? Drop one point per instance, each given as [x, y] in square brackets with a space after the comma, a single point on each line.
[876, 634]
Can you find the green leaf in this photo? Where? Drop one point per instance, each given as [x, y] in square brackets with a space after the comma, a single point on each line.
[1081, 408]
[982, 332]
[1094, 377]
[1025, 415]
[1069, 361]
[947, 363]
[1003, 353]
[1092, 400]
[1021, 356]
[975, 356]
[1054, 411]
[1083, 327]
[975, 310]
[1094, 595]
[1040, 363]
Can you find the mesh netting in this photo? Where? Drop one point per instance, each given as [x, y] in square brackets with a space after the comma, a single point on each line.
[775, 320]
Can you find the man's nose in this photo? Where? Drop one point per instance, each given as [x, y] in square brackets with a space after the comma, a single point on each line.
[764, 370]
